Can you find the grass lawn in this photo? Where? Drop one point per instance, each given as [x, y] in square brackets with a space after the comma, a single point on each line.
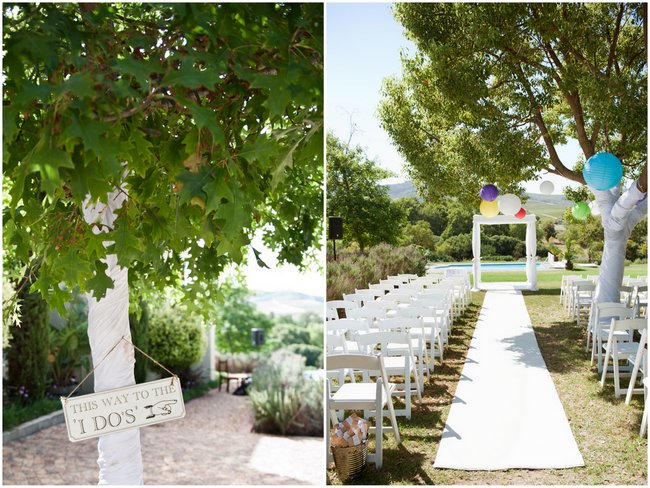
[605, 429]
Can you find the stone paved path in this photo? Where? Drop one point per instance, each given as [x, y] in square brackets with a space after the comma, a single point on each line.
[212, 445]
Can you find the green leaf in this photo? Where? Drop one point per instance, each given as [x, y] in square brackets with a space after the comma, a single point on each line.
[206, 118]
[191, 77]
[47, 161]
[216, 190]
[192, 185]
[285, 162]
[140, 70]
[92, 135]
[81, 85]
[279, 93]
[100, 282]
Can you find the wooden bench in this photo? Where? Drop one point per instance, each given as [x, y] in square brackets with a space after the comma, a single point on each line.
[227, 376]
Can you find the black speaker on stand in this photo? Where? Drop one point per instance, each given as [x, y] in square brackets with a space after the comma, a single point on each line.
[335, 231]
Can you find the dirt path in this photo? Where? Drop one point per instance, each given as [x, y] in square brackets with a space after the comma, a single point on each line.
[212, 445]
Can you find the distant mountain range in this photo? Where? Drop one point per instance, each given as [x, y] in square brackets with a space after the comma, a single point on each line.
[546, 206]
[291, 303]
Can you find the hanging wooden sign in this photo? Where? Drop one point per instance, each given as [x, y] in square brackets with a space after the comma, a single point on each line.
[125, 408]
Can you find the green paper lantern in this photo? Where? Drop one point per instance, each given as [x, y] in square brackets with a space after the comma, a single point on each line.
[580, 210]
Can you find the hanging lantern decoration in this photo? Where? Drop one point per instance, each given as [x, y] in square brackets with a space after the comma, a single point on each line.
[521, 214]
[509, 204]
[489, 209]
[489, 193]
[546, 187]
[603, 171]
[580, 210]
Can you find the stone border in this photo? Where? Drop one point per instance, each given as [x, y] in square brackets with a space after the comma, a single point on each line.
[33, 426]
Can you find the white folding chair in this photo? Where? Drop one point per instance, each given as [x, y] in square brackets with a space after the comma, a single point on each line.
[640, 364]
[370, 397]
[430, 329]
[332, 308]
[602, 319]
[398, 362]
[582, 299]
[620, 350]
[418, 343]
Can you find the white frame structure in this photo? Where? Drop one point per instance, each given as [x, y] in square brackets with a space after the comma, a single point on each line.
[531, 250]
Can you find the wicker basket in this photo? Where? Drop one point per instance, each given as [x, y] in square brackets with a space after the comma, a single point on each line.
[350, 461]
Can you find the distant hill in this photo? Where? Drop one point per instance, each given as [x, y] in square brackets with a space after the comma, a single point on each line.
[287, 303]
[544, 206]
[402, 190]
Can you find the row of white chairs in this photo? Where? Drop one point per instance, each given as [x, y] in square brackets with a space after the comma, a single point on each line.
[615, 331]
[394, 329]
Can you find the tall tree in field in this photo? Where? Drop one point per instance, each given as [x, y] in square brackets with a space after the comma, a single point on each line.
[354, 193]
[494, 88]
[176, 131]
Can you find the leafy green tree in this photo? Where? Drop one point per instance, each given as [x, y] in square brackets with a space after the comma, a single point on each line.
[459, 220]
[355, 194]
[546, 229]
[494, 88]
[210, 115]
[235, 319]
[420, 234]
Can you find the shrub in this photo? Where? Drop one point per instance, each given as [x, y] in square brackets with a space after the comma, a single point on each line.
[176, 339]
[458, 246]
[285, 402]
[28, 368]
[356, 270]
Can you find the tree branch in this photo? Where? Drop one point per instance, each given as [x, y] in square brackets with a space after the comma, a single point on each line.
[546, 136]
[612, 49]
[573, 99]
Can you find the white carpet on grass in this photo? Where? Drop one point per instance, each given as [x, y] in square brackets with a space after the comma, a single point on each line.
[506, 412]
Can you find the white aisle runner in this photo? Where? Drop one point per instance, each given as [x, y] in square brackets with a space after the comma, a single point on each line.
[506, 412]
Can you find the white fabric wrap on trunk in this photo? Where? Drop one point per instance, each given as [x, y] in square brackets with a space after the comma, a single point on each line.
[120, 458]
[619, 216]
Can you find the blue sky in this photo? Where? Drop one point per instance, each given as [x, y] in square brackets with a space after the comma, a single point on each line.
[363, 47]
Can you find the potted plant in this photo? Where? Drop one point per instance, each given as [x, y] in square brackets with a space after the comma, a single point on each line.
[569, 254]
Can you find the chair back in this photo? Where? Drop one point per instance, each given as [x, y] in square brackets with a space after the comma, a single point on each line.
[399, 323]
[370, 313]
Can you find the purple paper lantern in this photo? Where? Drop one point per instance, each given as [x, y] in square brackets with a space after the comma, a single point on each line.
[489, 193]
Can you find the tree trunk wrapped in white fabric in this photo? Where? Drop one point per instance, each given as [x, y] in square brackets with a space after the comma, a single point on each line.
[120, 459]
[619, 215]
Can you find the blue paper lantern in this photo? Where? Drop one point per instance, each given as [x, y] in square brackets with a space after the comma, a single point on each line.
[489, 193]
[603, 171]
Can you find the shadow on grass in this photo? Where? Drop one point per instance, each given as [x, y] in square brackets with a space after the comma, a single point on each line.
[542, 291]
[562, 346]
[401, 465]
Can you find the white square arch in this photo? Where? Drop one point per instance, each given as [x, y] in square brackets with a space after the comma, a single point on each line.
[531, 250]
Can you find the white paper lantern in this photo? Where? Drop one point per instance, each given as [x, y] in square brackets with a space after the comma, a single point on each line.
[509, 204]
[546, 187]
[594, 208]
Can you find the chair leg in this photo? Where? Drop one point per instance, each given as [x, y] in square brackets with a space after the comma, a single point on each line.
[379, 420]
[644, 421]
[393, 420]
[617, 379]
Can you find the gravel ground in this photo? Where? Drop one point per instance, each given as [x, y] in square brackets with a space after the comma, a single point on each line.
[212, 445]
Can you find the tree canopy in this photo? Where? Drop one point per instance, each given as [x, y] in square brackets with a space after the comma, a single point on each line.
[355, 194]
[494, 88]
[209, 115]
